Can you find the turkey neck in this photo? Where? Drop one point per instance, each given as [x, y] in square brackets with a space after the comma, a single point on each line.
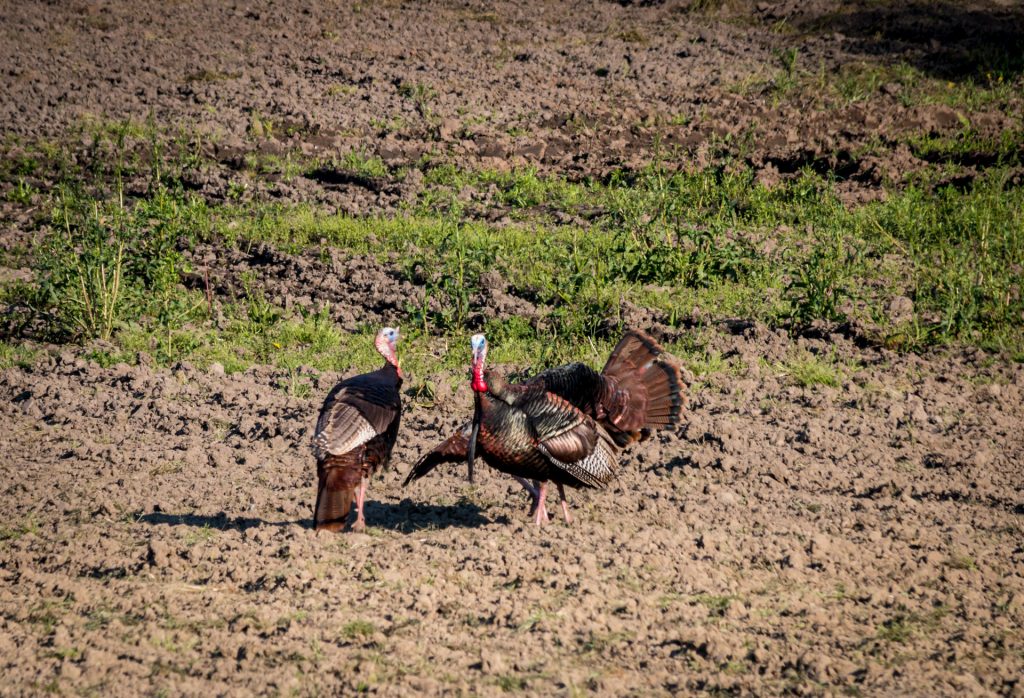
[474, 433]
[498, 389]
[390, 369]
[483, 405]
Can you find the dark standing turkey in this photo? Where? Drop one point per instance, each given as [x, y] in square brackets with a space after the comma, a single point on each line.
[354, 437]
[566, 424]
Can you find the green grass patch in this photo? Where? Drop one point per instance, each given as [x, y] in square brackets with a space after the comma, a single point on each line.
[288, 166]
[71, 653]
[970, 147]
[808, 370]
[16, 354]
[717, 605]
[535, 619]
[991, 87]
[47, 613]
[29, 525]
[710, 243]
[666, 601]
[361, 164]
[959, 561]
[104, 262]
[599, 642]
[204, 534]
[357, 629]
[511, 683]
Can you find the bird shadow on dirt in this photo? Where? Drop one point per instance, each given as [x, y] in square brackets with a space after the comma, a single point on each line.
[677, 463]
[409, 517]
[403, 517]
[221, 522]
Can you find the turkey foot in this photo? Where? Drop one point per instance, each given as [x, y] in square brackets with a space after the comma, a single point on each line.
[531, 490]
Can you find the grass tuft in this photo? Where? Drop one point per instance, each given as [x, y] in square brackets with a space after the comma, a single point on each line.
[808, 370]
[357, 628]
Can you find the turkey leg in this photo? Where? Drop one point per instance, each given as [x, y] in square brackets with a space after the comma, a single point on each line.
[534, 494]
[360, 523]
[531, 490]
[541, 513]
[565, 503]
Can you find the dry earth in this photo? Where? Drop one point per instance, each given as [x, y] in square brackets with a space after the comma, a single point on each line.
[864, 539]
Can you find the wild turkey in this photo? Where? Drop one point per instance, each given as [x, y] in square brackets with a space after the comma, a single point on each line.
[354, 437]
[565, 424]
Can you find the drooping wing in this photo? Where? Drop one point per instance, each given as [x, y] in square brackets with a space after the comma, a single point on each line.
[596, 469]
[355, 411]
[451, 450]
[571, 440]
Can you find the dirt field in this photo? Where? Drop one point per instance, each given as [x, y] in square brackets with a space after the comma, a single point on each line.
[865, 538]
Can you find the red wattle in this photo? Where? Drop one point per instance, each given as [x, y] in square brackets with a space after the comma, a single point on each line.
[478, 380]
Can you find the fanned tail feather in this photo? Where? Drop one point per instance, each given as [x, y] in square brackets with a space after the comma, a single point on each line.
[648, 386]
[634, 352]
[665, 388]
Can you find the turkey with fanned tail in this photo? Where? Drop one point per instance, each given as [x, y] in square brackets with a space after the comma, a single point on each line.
[565, 425]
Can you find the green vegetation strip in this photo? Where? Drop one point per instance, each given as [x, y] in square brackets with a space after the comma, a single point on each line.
[702, 245]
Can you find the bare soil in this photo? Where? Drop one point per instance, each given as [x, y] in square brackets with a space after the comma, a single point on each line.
[861, 539]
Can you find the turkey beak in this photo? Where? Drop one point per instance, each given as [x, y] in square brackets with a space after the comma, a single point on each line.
[471, 449]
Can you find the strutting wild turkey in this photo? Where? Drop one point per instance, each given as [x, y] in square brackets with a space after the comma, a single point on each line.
[354, 436]
[566, 424]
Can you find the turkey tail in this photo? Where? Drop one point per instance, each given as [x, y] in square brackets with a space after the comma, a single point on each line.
[634, 351]
[334, 496]
[647, 388]
[452, 450]
[665, 388]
